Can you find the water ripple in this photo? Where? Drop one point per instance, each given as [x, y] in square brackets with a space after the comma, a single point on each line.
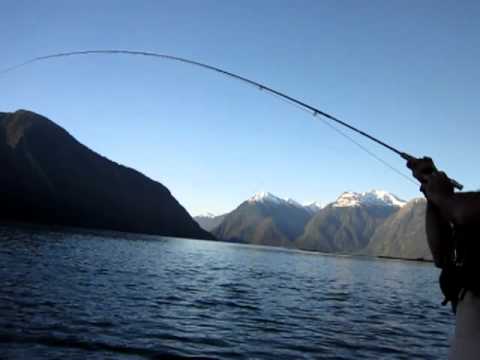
[119, 296]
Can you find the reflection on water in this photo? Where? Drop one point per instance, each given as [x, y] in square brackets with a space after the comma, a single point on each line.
[89, 296]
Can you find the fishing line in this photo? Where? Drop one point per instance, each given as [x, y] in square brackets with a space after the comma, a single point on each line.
[213, 68]
[314, 111]
[346, 136]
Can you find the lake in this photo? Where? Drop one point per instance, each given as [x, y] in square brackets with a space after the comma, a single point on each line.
[121, 296]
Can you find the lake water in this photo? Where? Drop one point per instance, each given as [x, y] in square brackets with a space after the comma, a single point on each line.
[84, 296]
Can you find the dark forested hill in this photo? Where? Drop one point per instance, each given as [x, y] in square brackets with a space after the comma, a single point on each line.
[48, 177]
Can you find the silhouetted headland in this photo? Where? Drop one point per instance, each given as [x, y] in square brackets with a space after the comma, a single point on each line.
[48, 177]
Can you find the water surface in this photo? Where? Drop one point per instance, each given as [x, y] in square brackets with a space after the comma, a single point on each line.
[119, 296]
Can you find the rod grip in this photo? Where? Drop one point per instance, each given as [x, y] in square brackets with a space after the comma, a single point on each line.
[455, 183]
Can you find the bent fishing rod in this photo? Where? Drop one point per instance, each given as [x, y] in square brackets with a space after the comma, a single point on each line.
[311, 109]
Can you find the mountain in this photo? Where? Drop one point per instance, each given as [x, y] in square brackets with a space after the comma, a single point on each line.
[264, 219]
[48, 177]
[346, 225]
[372, 198]
[402, 234]
[313, 207]
[209, 221]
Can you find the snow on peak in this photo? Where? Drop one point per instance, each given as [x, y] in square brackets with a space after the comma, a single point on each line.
[206, 215]
[370, 198]
[263, 197]
[377, 197]
[266, 197]
[348, 199]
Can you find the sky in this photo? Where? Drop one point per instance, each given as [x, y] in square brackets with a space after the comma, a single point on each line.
[404, 71]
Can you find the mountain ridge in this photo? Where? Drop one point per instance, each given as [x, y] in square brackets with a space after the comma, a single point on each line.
[263, 219]
[369, 198]
[49, 177]
[402, 234]
[347, 225]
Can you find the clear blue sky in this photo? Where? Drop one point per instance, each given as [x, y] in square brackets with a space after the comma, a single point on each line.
[405, 71]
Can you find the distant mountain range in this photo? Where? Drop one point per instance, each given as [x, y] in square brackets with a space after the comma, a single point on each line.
[374, 223]
[48, 177]
[264, 219]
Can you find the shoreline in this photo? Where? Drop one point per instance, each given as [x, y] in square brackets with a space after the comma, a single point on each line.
[129, 235]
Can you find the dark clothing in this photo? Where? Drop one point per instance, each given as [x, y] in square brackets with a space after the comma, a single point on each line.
[463, 274]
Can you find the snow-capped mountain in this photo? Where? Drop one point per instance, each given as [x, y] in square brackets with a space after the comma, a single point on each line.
[347, 225]
[267, 197]
[370, 198]
[264, 219]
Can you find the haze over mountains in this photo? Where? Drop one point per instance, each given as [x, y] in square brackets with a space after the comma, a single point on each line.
[48, 177]
[375, 223]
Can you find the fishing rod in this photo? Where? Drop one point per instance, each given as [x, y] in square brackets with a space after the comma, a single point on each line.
[311, 109]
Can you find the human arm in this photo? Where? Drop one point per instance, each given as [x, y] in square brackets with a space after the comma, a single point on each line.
[438, 228]
[439, 236]
[458, 208]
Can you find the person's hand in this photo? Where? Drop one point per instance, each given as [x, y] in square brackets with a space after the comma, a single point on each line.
[437, 185]
[421, 168]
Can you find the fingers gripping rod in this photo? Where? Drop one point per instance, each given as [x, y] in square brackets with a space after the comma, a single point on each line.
[455, 183]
